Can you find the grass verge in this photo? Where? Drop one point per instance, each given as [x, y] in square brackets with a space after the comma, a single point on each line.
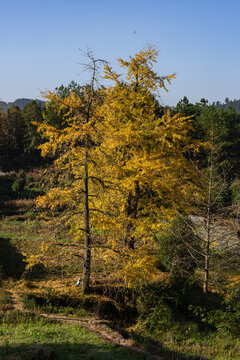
[23, 335]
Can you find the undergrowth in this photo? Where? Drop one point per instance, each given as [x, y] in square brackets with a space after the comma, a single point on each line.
[178, 315]
[5, 300]
[171, 316]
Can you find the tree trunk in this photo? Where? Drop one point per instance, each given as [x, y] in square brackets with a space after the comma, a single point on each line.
[131, 210]
[208, 224]
[206, 255]
[87, 245]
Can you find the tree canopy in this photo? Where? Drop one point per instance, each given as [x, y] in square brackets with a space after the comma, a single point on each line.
[132, 164]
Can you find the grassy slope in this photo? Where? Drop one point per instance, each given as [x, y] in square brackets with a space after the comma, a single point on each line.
[20, 340]
[23, 336]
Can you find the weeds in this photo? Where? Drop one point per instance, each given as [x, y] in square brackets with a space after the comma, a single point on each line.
[5, 301]
[19, 204]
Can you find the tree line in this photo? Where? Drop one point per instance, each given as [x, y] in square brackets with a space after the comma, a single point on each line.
[19, 141]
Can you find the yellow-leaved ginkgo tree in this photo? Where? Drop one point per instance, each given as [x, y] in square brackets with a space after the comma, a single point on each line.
[121, 169]
[148, 163]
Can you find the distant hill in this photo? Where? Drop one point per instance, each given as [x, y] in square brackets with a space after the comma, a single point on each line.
[19, 102]
[234, 104]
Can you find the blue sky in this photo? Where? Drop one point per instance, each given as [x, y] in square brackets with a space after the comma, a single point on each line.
[198, 40]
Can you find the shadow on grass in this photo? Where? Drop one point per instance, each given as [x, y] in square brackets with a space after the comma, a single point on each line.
[157, 348]
[67, 351]
[11, 260]
[83, 351]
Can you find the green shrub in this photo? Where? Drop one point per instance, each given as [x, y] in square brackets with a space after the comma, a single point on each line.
[6, 187]
[228, 318]
[51, 301]
[180, 248]
[29, 302]
[235, 189]
[5, 297]
[17, 317]
[221, 315]
[180, 305]
[157, 306]
[19, 183]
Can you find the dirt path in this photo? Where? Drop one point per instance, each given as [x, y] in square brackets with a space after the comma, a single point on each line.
[101, 327]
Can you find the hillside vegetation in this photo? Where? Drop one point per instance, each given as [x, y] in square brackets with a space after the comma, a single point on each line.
[115, 208]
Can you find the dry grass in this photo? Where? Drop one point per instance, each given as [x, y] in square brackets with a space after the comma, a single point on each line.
[19, 204]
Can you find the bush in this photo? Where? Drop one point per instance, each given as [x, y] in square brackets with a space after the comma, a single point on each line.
[180, 248]
[107, 310]
[6, 187]
[52, 301]
[17, 317]
[19, 183]
[5, 301]
[177, 306]
[230, 318]
[161, 304]
[235, 189]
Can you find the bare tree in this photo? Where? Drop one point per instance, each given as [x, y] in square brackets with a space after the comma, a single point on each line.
[217, 226]
[93, 67]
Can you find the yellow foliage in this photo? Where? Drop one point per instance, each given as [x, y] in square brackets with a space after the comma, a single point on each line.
[139, 267]
[31, 260]
[234, 280]
[134, 155]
